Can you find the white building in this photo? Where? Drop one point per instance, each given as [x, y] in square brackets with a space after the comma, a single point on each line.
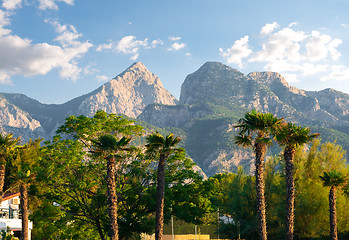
[10, 214]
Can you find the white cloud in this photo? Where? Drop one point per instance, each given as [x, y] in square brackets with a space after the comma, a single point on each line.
[129, 45]
[104, 46]
[102, 78]
[172, 38]
[292, 53]
[291, 78]
[51, 4]
[4, 21]
[90, 70]
[292, 24]
[11, 4]
[188, 54]
[5, 78]
[319, 46]
[284, 44]
[269, 28]
[338, 73]
[20, 56]
[154, 43]
[176, 46]
[237, 52]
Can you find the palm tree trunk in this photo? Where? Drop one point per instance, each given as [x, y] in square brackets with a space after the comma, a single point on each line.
[333, 213]
[24, 211]
[2, 180]
[112, 198]
[289, 158]
[160, 196]
[260, 150]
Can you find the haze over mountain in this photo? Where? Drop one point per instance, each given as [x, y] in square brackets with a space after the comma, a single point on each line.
[212, 99]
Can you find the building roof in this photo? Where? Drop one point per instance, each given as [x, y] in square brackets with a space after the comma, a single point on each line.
[8, 196]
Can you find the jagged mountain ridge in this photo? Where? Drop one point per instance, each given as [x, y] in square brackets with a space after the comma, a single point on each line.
[212, 99]
[215, 96]
[128, 93]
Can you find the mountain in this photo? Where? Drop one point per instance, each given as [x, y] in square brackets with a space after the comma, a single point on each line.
[128, 93]
[215, 96]
[212, 100]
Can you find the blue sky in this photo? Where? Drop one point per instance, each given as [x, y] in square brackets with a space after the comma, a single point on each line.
[55, 50]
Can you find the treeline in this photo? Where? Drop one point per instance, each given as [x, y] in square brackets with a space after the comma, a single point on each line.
[71, 180]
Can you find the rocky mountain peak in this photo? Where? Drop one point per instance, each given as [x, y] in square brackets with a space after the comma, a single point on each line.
[128, 93]
[138, 74]
[274, 80]
[211, 83]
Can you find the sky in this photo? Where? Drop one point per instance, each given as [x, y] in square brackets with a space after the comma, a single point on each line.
[56, 50]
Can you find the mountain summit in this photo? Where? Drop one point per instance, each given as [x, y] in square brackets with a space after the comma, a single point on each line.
[128, 93]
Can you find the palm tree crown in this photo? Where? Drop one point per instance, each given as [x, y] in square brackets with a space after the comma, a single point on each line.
[7, 143]
[289, 134]
[332, 179]
[163, 145]
[257, 123]
[108, 145]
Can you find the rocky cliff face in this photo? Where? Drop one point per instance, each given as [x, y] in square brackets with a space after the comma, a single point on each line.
[128, 93]
[227, 94]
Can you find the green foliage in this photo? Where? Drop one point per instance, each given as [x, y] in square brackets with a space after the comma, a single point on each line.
[332, 178]
[234, 195]
[70, 191]
[311, 197]
[291, 135]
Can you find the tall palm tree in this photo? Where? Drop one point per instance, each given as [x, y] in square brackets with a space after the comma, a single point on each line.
[334, 180]
[7, 144]
[164, 146]
[23, 176]
[290, 136]
[254, 130]
[108, 147]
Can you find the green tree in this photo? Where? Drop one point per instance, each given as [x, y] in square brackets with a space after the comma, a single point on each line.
[23, 174]
[110, 149]
[334, 180]
[70, 193]
[290, 136]
[311, 214]
[7, 144]
[163, 147]
[254, 130]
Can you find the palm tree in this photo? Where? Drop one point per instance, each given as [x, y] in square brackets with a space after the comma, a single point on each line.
[23, 176]
[334, 180]
[164, 146]
[108, 147]
[291, 136]
[7, 144]
[254, 130]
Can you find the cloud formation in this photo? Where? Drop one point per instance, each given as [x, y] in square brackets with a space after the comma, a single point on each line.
[129, 45]
[52, 4]
[20, 56]
[176, 46]
[11, 4]
[269, 28]
[291, 52]
[237, 52]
